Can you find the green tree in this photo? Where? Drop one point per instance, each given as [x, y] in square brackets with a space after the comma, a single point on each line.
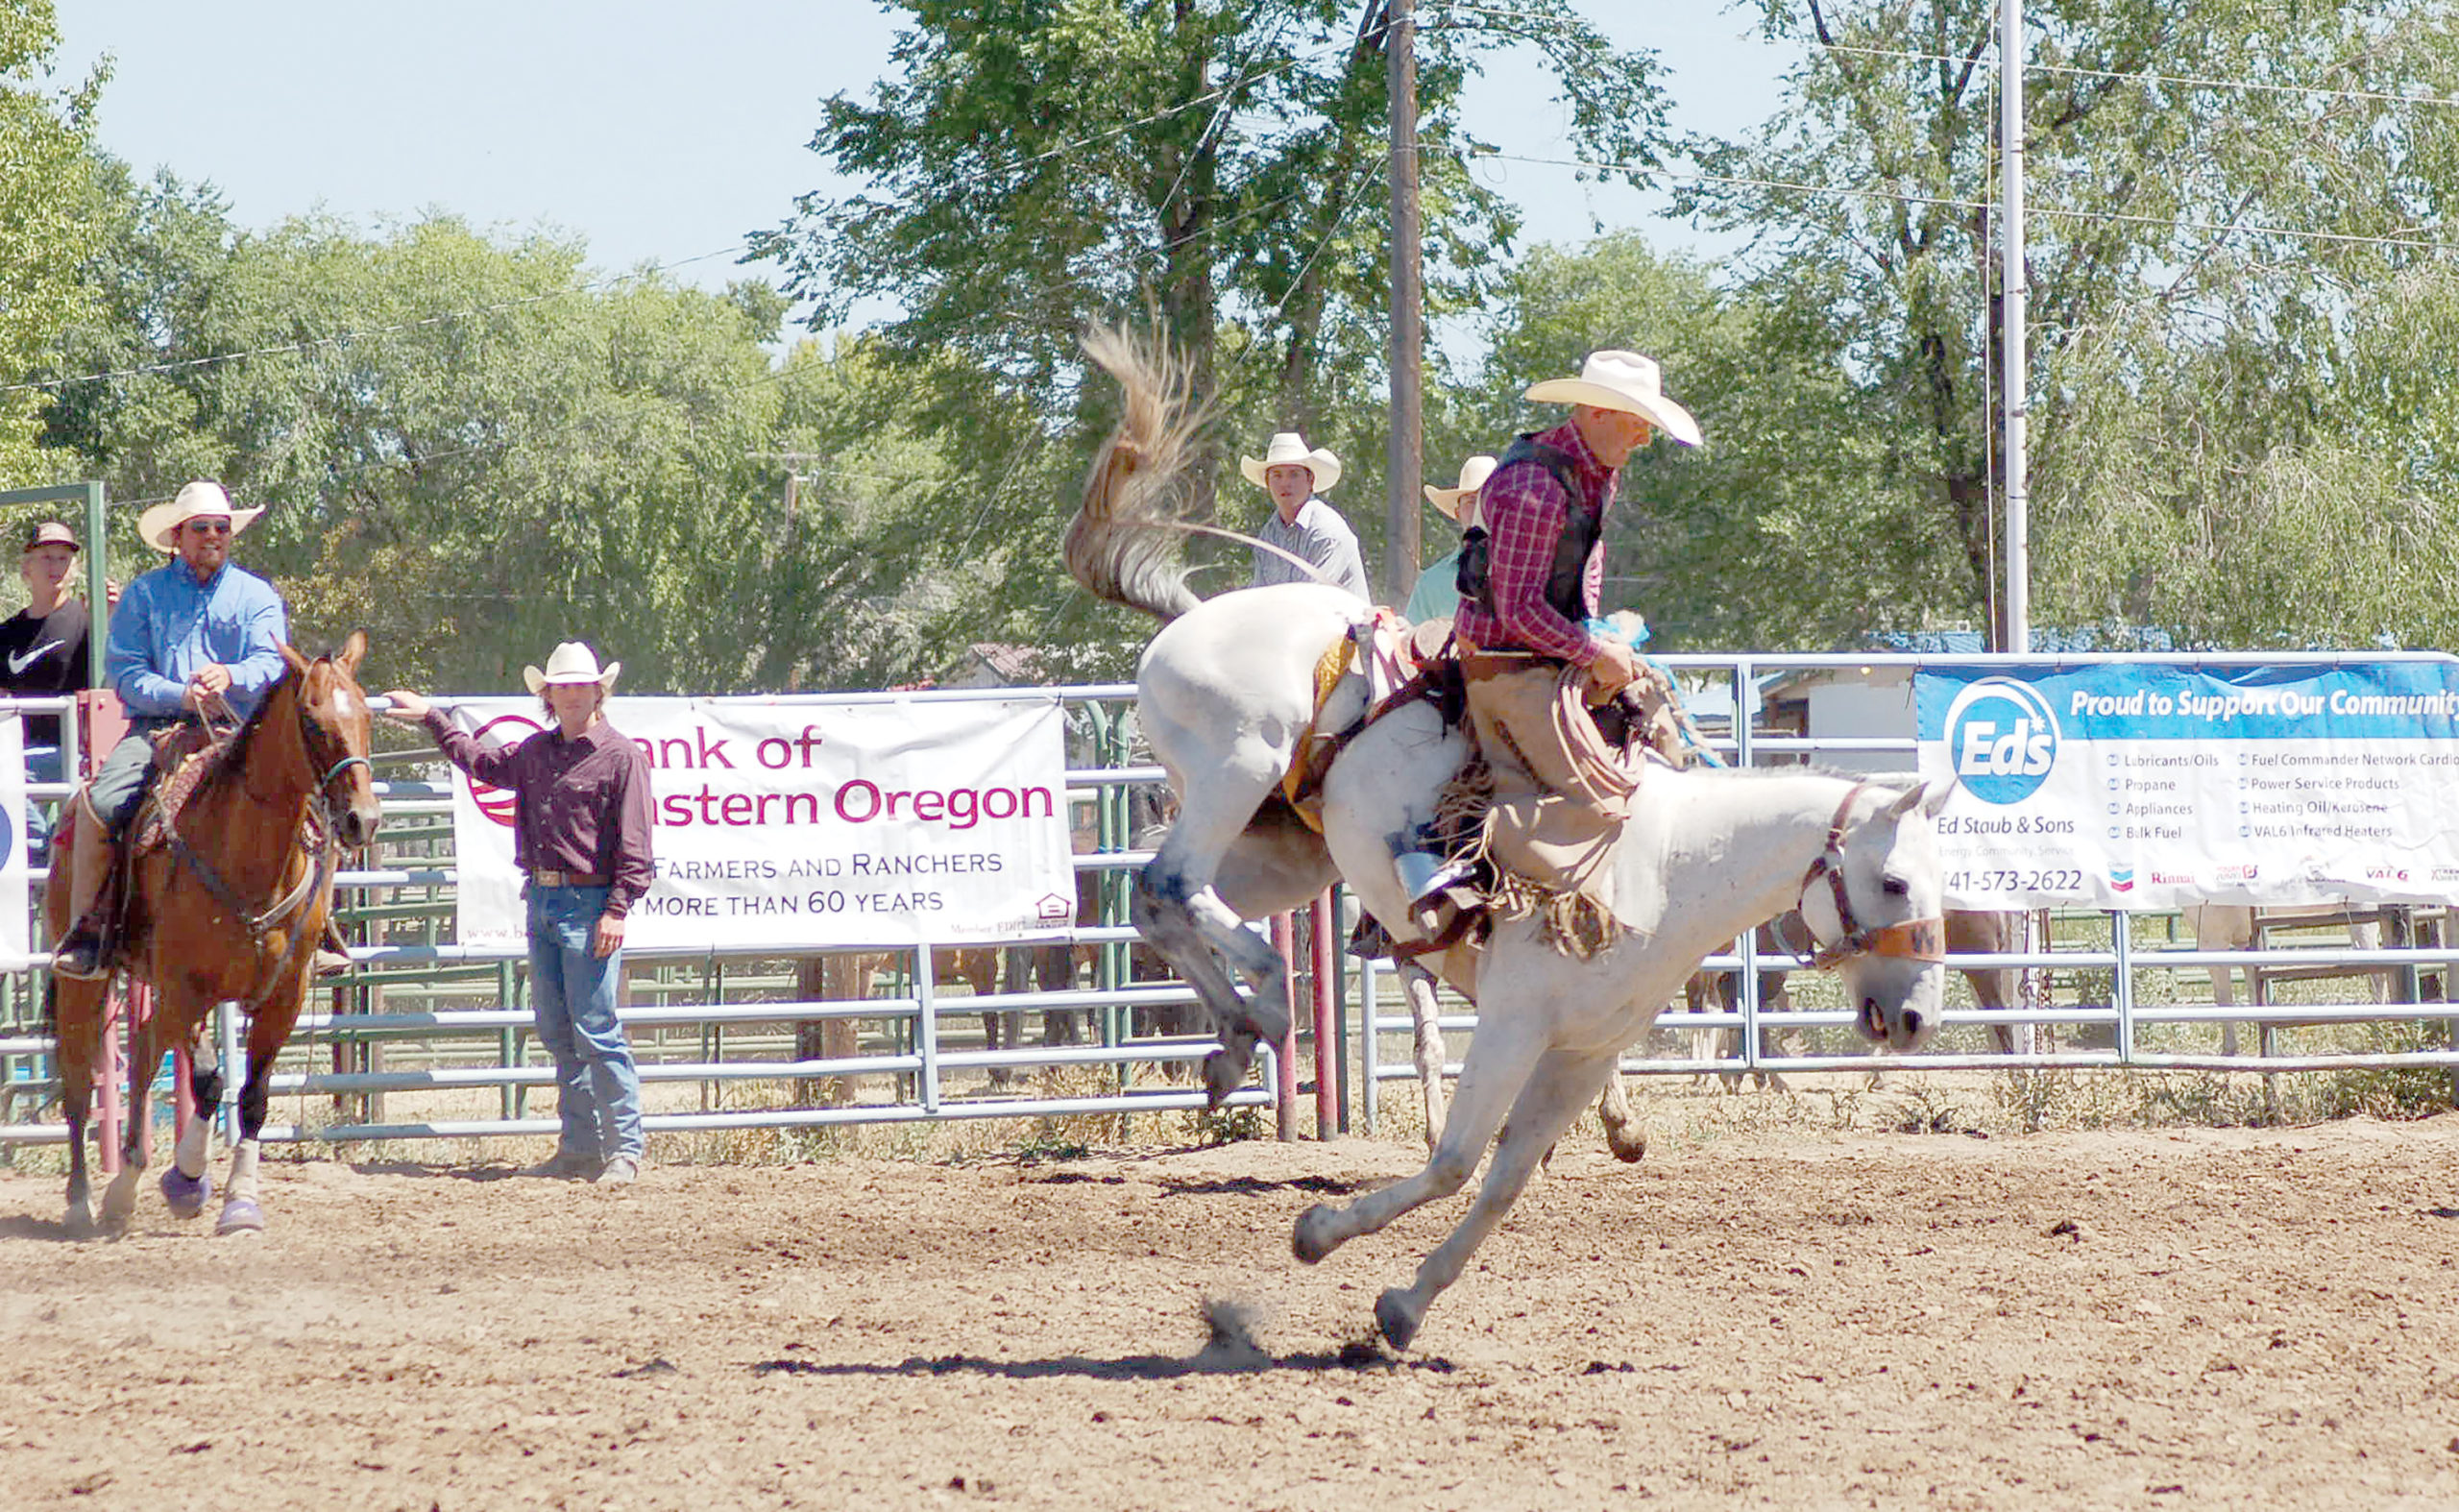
[47, 216]
[2207, 179]
[1031, 168]
[476, 449]
[1738, 543]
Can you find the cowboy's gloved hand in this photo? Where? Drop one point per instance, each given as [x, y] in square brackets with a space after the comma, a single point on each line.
[1614, 665]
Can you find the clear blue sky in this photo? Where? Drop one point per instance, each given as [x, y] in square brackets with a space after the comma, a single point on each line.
[662, 133]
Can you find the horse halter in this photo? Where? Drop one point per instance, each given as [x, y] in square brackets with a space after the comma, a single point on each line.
[1913, 940]
[324, 804]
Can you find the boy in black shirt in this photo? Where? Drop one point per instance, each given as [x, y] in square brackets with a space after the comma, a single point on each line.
[43, 654]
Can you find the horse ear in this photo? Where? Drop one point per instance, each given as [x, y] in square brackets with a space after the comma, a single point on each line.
[352, 651]
[290, 655]
[1929, 797]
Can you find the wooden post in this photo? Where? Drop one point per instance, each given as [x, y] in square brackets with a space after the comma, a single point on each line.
[1408, 311]
[1286, 1054]
[1328, 1075]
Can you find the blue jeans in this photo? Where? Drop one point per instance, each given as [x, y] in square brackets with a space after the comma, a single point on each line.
[42, 764]
[120, 785]
[571, 996]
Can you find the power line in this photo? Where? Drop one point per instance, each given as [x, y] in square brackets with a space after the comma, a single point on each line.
[2142, 75]
[2234, 228]
[2148, 76]
[342, 337]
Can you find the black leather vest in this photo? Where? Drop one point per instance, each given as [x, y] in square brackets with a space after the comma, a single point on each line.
[1567, 577]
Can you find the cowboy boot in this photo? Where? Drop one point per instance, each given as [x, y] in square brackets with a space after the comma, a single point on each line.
[92, 897]
[1427, 878]
[332, 953]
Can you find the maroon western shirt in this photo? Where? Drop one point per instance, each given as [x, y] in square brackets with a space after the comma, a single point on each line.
[579, 805]
[1523, 511]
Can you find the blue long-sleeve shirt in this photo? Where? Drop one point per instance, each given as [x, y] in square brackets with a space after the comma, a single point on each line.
[167, 626]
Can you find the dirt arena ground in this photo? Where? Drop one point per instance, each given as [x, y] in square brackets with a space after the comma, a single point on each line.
[2142, 1318]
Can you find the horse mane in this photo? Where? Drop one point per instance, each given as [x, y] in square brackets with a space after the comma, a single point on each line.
[1123, 544]
[249, 726]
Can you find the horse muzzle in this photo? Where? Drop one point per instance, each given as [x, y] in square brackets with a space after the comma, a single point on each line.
[356, 821]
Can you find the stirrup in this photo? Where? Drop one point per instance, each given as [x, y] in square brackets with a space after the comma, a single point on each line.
[1426, 878]
[1424, 875]
[80, 957]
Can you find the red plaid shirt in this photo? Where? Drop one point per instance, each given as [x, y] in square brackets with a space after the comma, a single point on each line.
[1523, 510]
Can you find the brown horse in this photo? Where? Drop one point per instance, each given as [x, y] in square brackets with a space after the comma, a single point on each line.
[231, 907]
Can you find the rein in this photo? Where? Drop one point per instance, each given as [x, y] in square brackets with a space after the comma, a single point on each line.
[1913, 940]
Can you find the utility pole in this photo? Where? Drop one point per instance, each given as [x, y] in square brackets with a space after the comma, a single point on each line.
[794, 480]
[1409, 310]
[2016, 488]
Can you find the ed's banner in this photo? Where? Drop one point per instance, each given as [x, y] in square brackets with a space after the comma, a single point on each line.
[2155, 785]
[785, 826]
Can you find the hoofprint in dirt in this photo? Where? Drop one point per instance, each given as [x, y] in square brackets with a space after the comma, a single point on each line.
[2195, 1318]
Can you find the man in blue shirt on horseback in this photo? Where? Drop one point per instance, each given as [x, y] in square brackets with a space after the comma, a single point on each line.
[198, 636]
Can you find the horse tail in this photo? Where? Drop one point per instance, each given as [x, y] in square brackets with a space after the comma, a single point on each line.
[1123, 544]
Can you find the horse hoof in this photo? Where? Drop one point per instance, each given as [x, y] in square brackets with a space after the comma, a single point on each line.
[119, 1202]
[240, 1215]
[1310, 1242]
[79, 1224]
[186, 1193]
[1629, 1146]
[1393, 1316]
[1270, 1025]
[1223, 1075]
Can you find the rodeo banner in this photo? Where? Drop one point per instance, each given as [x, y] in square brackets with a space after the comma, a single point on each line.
[809, 825]
[2153, 785]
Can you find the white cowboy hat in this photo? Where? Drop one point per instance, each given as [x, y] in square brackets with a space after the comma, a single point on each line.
[161, 525]
[1473, 474]
[1289, 448]
[572, 663]
[1622, 381]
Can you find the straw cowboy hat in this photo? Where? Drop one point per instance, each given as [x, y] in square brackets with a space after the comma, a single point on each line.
[572, 663]
[1289, 448]
[1473, 474]
[1622, 381]
[161, 525]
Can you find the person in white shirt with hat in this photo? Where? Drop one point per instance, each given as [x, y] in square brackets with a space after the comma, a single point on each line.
[199, 633]
[1300, 523]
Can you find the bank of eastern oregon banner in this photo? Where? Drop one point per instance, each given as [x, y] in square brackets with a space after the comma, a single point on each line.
[2157, 785]
[806, 825]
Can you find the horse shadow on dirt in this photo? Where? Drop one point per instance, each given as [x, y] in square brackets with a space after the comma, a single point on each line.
[495, 1171]
[1230, 1350]
[1253, 1187]
[1360, 1356]
[26, 1226]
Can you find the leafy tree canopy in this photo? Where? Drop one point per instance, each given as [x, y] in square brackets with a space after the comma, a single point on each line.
[47, 215]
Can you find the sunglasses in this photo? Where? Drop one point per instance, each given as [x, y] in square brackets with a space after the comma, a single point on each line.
[208, 526]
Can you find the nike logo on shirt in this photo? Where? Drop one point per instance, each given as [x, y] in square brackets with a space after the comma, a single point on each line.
[17, 665]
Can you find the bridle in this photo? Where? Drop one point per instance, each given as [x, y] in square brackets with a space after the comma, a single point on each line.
[311, 882]
[1913, 940]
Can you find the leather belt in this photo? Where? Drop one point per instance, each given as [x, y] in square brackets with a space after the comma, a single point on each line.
[547, 878]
